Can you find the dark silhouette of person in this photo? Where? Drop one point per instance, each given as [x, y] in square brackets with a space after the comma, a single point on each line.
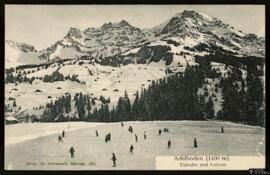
[130, 129]
[144, 136]
[222, 130]
[166, 130]
[63, 133]
[71, 151]
[60, 139]
[136, 138]
[159, 132]
[109, 136]
[114, 159]
[195, 143]
[96, 133]
[122, 124]
[169, 144]
[131, 148]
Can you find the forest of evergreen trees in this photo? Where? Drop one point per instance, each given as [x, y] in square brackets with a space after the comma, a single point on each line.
[174, 98]
[19, 78]
[55, 76]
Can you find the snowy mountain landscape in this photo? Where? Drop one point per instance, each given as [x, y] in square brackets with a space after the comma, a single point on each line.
[192, 73]
[118, 57]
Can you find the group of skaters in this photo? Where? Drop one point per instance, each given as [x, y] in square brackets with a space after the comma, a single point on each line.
[60, 140]
[131, 148]
[164, 130]
[130, 129]
[107, 137]
[169, 143]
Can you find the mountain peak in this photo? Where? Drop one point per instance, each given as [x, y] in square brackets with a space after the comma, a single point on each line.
[190, 12]
[107, 25]
[74, 32]
[194, 14]
[124, 23]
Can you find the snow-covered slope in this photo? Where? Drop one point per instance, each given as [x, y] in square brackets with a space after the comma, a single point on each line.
[19, 54]
[200, 28]
[110, 82]
[183, 37]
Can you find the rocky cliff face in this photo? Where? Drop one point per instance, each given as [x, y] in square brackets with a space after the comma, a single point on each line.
[189, 30]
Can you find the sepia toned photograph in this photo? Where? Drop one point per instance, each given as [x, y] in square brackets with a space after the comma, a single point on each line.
[134, 87]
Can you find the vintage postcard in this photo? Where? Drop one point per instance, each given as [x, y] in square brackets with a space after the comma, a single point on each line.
[134, 87]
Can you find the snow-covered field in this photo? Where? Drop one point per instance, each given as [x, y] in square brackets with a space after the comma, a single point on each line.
[28, 131]
[91, 152]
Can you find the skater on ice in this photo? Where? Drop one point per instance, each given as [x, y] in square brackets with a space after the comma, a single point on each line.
[195, 143]
[72, 151]
[136, 138]
[114, 159]
[131, 148]
[166, 130]
[159, 132]
[144, 135]
[60, 139]
[222, 130]
[96, 133]
[63, 133]
[130, 129]
[109, 136]
[169, 144]
[122, 124]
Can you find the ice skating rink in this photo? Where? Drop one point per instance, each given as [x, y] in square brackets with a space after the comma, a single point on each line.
[43, 152]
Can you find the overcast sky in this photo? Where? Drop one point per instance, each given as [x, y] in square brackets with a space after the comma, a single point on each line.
[42, 25]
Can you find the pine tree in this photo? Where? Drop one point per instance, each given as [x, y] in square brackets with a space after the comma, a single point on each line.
[210, 108]
[14, 103]
[126, 107]
[254, 99]
[10, 78]
[95, 115]
[135, 107]
[202, 106]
